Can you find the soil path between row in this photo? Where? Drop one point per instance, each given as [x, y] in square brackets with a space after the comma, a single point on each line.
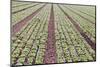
[50, 53]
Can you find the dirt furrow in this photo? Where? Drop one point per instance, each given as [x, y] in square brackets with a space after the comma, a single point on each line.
[50, 53]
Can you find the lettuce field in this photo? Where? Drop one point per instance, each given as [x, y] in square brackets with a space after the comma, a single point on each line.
[48, 33]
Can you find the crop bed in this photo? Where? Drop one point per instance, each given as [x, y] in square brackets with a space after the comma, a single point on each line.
[46, 33]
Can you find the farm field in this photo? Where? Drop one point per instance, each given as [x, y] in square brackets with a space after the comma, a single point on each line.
[48, 33]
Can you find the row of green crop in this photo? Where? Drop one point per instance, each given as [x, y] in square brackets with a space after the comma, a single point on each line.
[86, 26]
[84, 13]
[39, 36]
[16, 3]
[21, 15]
[21, 7]
[86, 9]
[70, 46]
